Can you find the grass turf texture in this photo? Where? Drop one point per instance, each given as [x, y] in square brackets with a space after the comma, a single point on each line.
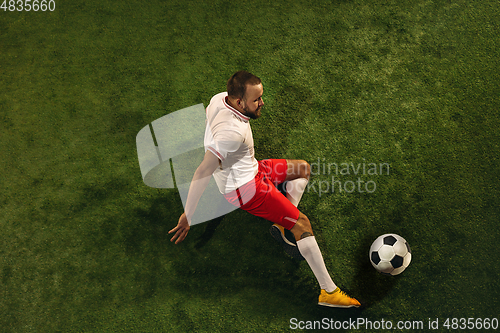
[84, 244]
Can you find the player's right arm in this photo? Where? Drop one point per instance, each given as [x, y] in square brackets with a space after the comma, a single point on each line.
[198, 184]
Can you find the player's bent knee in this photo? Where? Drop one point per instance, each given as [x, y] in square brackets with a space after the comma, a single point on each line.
[302, 228]
[304, 221]
[305, 169]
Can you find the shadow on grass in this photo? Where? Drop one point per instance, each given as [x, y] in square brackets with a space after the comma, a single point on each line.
[210, 228]
[228, 261]
[216, 255]
[371, 286]
[227, 257]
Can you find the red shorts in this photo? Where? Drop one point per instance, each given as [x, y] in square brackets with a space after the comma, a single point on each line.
[260, 197]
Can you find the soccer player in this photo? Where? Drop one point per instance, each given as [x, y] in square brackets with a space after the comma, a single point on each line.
[251, 184]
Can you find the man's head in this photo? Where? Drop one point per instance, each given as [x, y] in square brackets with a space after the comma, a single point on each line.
[245, 93]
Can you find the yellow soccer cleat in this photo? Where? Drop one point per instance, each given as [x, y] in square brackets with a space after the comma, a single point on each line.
[337, 299]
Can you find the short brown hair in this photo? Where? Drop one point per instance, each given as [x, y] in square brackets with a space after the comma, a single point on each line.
[237, 84]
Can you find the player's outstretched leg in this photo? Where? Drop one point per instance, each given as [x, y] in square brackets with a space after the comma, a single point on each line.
[330, 295]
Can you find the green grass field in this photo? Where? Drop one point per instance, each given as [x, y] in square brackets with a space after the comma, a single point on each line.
[413, 84]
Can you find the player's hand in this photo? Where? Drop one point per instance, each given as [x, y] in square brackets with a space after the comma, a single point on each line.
[181, 230]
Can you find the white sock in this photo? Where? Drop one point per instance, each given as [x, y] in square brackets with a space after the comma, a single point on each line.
[309, 249]
[294, 190]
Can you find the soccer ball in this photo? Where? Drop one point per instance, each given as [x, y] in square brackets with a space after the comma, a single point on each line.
[390, 254]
